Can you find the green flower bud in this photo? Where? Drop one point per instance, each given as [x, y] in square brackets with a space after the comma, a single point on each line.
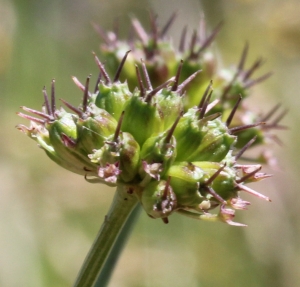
[189, 134]
[119, 154]
[224, 183]
[141, 119]
[170, 105]
[63, 136]
[158, 152]
[41, 135]
[215, 144]
[112, 98]
[95, 130]
[185, 183]
[158, 199]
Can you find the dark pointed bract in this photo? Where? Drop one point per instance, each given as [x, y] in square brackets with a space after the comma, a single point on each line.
[102, 70]
[86, 94]
[231, 115]
[117, 75]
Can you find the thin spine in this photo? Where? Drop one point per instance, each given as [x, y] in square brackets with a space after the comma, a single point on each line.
[47, 104]
[101, 33]
[203, 109]
[233, 111]
[253, 192]
[244, 148]
[205, 94]
[73, 108]
[257, 64]
[140, 81]
[141, 33]
[146, 76]
[38, 113]
[187, 81]
[245, 127]
[215, 175]
[279, 117]
[192, 54]
[214, 194]
[157, 89]
[210, 38]
[118, 128]
[175, 86]
[96, 89]
[172, 129]
[78, 83]
[53, 106]
[86, 94]
[245, 177]
[270, 113]
[243, 57]
[31, 118]
[116, 78]
[237, 73]
[168, 25]
[258, 80]
[102, 69]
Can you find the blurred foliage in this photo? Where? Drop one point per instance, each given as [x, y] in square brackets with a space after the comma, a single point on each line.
[49, 217]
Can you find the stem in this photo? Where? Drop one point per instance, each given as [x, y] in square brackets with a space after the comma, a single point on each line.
[122, 206]
[112, 259]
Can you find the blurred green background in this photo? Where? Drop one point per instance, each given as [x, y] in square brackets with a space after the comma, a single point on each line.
[49, 217]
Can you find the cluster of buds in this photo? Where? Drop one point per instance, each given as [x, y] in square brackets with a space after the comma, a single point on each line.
[175, 146]
[173, 161]
[161, 58]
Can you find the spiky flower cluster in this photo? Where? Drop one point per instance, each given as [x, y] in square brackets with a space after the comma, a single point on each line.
[161, 59]
[173, 158]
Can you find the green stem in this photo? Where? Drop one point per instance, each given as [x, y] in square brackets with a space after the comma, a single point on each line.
[122, 206]
[111, 261]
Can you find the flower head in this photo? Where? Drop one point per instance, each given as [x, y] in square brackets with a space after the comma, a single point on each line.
[174, 158]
